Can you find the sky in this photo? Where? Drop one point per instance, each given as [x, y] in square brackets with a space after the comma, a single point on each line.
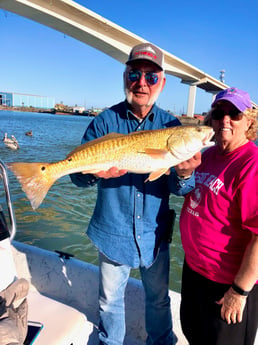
[212, 36]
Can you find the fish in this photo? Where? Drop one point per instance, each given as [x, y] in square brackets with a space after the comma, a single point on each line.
[150, 152]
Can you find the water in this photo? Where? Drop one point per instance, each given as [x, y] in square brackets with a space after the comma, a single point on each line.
[61, 220]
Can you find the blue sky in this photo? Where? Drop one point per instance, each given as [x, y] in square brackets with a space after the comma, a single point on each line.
[209, 35]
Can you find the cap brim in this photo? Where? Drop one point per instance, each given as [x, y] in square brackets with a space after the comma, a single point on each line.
[131, 62]
[230, 101]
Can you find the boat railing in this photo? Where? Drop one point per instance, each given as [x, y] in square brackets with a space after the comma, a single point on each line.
[4, 176]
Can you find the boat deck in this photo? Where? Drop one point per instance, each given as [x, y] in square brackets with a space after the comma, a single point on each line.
[64, 298]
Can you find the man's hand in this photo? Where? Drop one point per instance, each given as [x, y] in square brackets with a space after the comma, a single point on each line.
[183, 169]
[186, 168]
[111, 173]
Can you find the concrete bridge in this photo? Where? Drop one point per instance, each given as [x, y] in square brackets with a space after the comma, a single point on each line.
[84, 25]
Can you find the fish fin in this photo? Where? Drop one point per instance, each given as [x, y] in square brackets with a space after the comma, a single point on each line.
[95, 141]
[155, 153]
[156, 174]
[35, 180]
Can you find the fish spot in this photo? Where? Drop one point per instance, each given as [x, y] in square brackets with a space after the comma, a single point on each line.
[70, 159]
[43, 168]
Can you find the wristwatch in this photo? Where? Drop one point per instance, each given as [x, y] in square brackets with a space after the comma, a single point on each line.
[240, 291]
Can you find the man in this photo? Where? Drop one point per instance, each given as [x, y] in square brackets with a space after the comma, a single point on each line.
[130, 221]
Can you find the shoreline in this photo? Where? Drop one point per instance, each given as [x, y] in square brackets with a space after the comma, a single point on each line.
[185, 120]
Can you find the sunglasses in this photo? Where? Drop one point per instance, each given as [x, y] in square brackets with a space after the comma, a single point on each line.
[218, 114]
[150, 77]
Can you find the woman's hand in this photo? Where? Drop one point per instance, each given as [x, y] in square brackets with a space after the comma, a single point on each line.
[232, 306]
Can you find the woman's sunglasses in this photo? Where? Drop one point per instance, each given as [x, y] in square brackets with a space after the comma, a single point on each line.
[150, 77]
[218, 114]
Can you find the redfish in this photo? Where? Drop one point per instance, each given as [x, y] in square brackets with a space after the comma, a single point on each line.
[150, 151]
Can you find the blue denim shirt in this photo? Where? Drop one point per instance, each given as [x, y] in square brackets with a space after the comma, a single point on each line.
[131, 217]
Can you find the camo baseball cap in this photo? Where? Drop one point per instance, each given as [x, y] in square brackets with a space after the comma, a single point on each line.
[240, 99]
[146, 51]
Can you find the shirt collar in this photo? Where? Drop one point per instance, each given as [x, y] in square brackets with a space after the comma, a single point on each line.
[149, 117]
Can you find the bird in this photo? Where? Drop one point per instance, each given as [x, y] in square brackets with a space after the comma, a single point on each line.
[12, 142]
[29, 133]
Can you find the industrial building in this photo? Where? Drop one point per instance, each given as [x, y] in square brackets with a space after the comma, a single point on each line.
[13, 99]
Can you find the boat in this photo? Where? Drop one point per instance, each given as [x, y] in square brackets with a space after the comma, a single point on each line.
[63, 294]
[12, 142]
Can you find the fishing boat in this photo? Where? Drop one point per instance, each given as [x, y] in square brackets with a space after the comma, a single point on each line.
[63, 296]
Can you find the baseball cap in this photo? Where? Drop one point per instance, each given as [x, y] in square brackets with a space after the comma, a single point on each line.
[240, 99]
[146, 51]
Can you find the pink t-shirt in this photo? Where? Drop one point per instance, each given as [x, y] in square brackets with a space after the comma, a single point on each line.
[220, 214]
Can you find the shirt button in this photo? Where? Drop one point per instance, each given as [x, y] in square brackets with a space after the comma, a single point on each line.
[138, 237]
[138, 195]
[138, 217]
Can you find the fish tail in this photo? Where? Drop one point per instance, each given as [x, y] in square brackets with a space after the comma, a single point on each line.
[35, 179]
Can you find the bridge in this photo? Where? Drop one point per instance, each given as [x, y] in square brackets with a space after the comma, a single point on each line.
[88, 27]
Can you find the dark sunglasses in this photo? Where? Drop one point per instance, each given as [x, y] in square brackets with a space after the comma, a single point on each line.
[151, 77]
[218, 114]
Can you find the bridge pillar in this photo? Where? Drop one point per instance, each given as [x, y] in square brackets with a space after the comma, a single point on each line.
[191, 100]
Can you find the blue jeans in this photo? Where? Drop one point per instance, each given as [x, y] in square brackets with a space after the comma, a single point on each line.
[113, 281]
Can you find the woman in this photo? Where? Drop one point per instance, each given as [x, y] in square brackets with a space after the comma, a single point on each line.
[219, 230]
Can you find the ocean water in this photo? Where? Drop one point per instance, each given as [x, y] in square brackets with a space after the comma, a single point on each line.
[61, 220]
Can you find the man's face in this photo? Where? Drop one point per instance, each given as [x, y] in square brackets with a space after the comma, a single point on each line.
[139, 83]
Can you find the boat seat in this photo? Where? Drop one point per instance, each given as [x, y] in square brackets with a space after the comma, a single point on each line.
[62, 324]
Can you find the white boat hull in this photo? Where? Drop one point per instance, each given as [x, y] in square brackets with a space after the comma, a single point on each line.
[75, 284]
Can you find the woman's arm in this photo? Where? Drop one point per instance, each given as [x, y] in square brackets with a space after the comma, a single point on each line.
[233, 303]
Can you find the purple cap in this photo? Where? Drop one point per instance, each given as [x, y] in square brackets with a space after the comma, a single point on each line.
[146, 51]
[240, 99]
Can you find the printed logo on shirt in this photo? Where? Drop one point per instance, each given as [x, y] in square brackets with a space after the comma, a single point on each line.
[196, 196]
[204, 179]
[210, 181]
[194, 213]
